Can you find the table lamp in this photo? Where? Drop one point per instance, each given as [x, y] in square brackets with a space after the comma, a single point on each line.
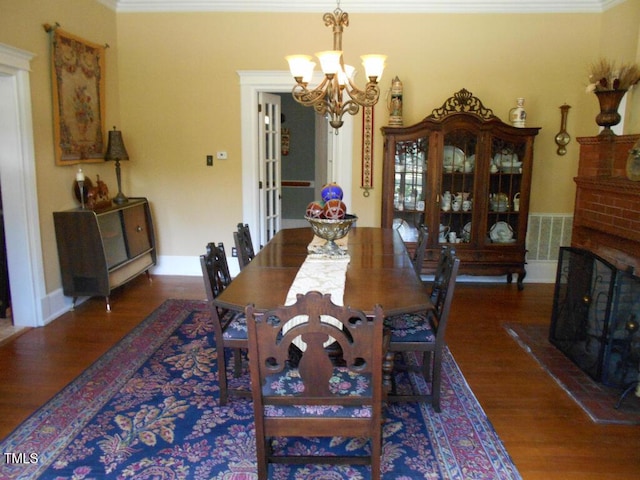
[116, 151]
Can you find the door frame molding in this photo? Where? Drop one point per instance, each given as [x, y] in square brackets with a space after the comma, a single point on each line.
[252, 82]
[19, 189]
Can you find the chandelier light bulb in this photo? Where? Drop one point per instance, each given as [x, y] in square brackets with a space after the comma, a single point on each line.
[330, 61]
[299, 65]
[374, 66]
[346, 74]
[308, 75]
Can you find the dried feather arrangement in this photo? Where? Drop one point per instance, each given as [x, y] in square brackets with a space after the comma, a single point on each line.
[607, 75]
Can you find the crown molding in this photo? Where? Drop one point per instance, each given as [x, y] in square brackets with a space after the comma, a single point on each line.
[365, 6]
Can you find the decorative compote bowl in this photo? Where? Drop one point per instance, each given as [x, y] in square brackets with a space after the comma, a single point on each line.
[331, 230]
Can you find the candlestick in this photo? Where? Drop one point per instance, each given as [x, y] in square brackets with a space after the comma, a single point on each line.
[81, 188]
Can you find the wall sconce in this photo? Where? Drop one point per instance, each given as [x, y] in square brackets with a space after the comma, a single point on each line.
[116, 151]
[563, 138]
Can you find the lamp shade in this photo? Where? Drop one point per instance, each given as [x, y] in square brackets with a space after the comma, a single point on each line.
[115, 147]
[300, 65]
[330, 61]
[373, 65]
[346, 74]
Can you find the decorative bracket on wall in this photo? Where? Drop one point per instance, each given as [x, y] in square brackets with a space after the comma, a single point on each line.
[563, 138]
[52, 28]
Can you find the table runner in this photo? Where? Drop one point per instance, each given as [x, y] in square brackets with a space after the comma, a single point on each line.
[323, 274]
[315, 247]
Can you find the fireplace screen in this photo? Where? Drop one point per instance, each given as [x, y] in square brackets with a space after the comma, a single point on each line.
[596, 313]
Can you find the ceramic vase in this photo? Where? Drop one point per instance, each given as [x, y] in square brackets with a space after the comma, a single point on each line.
[394, 104]
[517, 115]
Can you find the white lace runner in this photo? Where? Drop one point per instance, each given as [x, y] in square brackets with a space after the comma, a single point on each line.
[318, 245]
[324, 275]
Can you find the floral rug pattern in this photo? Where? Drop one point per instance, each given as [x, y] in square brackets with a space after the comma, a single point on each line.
[148, 409]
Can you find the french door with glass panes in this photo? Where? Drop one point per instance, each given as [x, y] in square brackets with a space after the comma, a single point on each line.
[270, 164]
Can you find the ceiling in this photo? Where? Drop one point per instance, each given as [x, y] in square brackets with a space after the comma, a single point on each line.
[365, 6]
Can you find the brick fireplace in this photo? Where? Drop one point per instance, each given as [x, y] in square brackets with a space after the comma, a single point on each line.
[607, 210]
[596, 312]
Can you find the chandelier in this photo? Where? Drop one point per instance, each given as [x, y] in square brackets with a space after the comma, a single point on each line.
[337, 94]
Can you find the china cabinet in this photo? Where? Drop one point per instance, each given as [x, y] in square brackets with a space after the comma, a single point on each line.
[466, 176]
[100, 250]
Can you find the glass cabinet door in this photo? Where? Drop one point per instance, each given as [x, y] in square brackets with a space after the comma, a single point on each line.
[466, 175]
[458, 187]
[505, 181]
[410, 187]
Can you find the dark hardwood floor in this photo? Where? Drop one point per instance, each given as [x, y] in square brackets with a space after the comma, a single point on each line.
[544, 430]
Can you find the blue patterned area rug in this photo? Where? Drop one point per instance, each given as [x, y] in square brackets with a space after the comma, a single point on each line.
[148, 409]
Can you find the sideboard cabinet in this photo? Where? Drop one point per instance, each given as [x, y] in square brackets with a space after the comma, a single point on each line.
[100, 250]
[466, 176]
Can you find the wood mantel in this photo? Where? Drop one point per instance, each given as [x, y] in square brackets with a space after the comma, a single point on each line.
[607, 210]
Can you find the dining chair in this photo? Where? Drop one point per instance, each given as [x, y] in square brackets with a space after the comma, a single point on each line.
[417, 258]
[317, 396]
[244, 245]
[440, 276]
[229, 326]
[425, 332]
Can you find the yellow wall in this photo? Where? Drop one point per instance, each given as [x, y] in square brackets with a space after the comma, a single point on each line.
[21, 26]
[173, 90]
[191, 107]
[620, 41]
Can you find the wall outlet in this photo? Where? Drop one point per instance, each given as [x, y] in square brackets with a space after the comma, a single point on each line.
[209, 160]
[234, 252]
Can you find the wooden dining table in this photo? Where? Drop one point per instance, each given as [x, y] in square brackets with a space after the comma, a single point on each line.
[379, 272]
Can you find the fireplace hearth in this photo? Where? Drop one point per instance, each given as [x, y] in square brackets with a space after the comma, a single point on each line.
[596, 315]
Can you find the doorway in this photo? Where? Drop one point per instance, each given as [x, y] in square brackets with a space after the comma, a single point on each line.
[5, 290]
[304, 159]
[339, 147]
[19, 191]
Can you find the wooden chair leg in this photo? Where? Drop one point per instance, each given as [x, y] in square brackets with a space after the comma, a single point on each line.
[222, 376]
[427, 366]
[436, 381]
[263, 452]
[387, 374]
[237, 362]
[376, 458]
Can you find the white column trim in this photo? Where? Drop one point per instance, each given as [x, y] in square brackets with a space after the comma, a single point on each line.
[19, 189]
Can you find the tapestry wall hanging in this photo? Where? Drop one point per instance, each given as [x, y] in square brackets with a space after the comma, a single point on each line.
[78, 74]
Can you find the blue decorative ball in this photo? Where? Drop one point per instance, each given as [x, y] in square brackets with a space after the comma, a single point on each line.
[331, 191]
